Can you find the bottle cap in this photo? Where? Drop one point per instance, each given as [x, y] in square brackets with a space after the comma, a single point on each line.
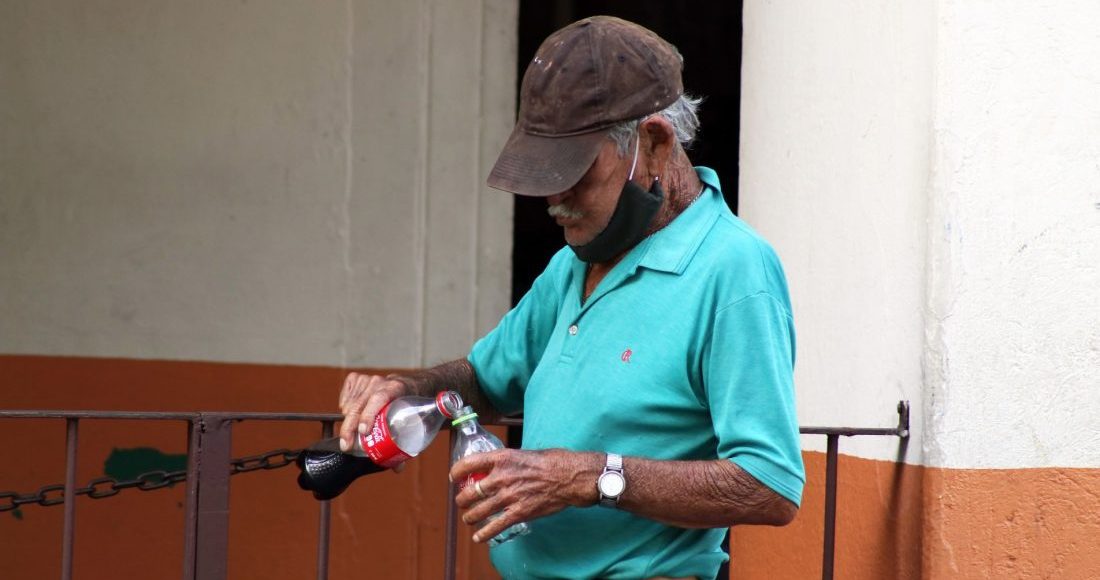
[467, 414]
[447, 402]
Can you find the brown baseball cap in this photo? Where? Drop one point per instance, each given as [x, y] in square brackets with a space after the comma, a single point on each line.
[584, 79]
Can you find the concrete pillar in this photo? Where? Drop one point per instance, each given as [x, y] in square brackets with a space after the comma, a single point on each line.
[928, 174]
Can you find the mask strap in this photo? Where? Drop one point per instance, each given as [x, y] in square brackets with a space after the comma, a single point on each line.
[633, 164]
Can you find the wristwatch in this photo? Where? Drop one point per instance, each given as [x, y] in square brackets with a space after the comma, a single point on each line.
[612, 482]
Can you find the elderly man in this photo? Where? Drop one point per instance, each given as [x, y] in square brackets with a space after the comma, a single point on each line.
[652, 359]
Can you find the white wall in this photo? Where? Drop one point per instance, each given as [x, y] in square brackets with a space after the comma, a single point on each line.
[835, 129]
[260, 182]
[1014, 373]
[930, 175]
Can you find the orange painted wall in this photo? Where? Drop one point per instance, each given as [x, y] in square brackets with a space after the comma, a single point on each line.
[1012, 523]
[878, 529]
[910, 522]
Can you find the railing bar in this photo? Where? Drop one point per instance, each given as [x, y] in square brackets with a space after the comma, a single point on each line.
[259, 416]
[241, 416]
[212, 533]
[849, 431]
[190, 519]
[246, 416]
[452, 518]
[901, 430]
[325, 519]
[71, 442]
[56, 414]
[830, 507]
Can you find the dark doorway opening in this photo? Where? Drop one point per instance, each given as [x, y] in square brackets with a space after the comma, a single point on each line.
[708, 34]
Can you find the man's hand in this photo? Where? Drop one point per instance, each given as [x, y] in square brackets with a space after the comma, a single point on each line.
[524, 485]
[361, 399]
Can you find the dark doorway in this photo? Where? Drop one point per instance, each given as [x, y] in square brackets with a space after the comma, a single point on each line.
[708, 34]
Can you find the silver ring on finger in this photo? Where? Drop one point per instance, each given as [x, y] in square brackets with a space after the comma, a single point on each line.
[480, 492]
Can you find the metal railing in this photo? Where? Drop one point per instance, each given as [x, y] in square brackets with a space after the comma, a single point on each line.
[210, 465]
[832, 450]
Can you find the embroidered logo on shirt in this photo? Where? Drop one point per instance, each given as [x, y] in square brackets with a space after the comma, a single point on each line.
[626, 355]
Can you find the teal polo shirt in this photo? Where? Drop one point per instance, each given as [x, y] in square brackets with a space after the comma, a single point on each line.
[684, 351]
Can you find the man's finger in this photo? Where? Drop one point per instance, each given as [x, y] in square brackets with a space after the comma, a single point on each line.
[362, 403]
[480, 509]
[477, 463]
[345, 391]
[349, 427]
[494, 526]
[380, 395]
[355, 390]
[468, 496]
[370, 411]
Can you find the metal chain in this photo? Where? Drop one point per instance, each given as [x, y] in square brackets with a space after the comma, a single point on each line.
[102, 487]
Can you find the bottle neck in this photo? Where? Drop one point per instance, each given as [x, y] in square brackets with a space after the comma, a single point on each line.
[466, 422]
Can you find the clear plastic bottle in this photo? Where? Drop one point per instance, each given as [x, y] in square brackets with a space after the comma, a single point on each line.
[401, 430]
[473, 438]
[405, 427]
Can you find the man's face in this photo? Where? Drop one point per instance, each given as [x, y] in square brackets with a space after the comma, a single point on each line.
[585, 209]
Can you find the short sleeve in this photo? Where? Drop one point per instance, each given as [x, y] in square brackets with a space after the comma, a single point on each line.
[505, 359]
[749, 383]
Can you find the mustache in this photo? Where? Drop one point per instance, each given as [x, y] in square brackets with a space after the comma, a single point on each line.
[562, 210]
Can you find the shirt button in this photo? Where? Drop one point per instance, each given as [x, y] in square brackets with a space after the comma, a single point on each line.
[573, 330]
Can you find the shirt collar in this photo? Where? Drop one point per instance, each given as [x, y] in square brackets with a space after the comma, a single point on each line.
[672, 247]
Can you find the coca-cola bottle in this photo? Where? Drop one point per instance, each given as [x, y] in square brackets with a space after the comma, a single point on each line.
[473, 438]
[401, 430]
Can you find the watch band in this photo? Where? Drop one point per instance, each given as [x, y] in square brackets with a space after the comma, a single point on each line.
[613, 469]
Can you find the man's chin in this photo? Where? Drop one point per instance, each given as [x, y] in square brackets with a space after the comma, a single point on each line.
[574, 238]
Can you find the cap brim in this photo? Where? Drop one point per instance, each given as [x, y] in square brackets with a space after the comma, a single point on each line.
[542, 166]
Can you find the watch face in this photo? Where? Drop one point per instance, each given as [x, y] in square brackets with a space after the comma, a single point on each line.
[612, 484]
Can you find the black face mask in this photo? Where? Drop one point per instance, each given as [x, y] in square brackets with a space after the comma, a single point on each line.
[633, 215]
[631, 220]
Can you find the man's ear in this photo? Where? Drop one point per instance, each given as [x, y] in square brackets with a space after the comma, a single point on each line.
[658, 142]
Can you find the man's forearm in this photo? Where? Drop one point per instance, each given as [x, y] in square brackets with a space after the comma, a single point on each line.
[702, 494]
[457, 375]
[692, 494]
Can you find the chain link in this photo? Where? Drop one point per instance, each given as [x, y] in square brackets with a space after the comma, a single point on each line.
[95, 493]
[270, 460]
[102, 487]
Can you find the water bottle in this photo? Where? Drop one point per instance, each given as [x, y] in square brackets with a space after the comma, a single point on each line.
[401, 430]
[473, 438]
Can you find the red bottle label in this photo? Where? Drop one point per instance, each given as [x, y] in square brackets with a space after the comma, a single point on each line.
[470, 479]
[379, 445]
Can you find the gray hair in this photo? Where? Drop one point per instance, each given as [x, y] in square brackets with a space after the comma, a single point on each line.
[682, 114]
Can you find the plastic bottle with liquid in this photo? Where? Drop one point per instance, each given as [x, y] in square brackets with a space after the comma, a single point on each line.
[473, 438]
